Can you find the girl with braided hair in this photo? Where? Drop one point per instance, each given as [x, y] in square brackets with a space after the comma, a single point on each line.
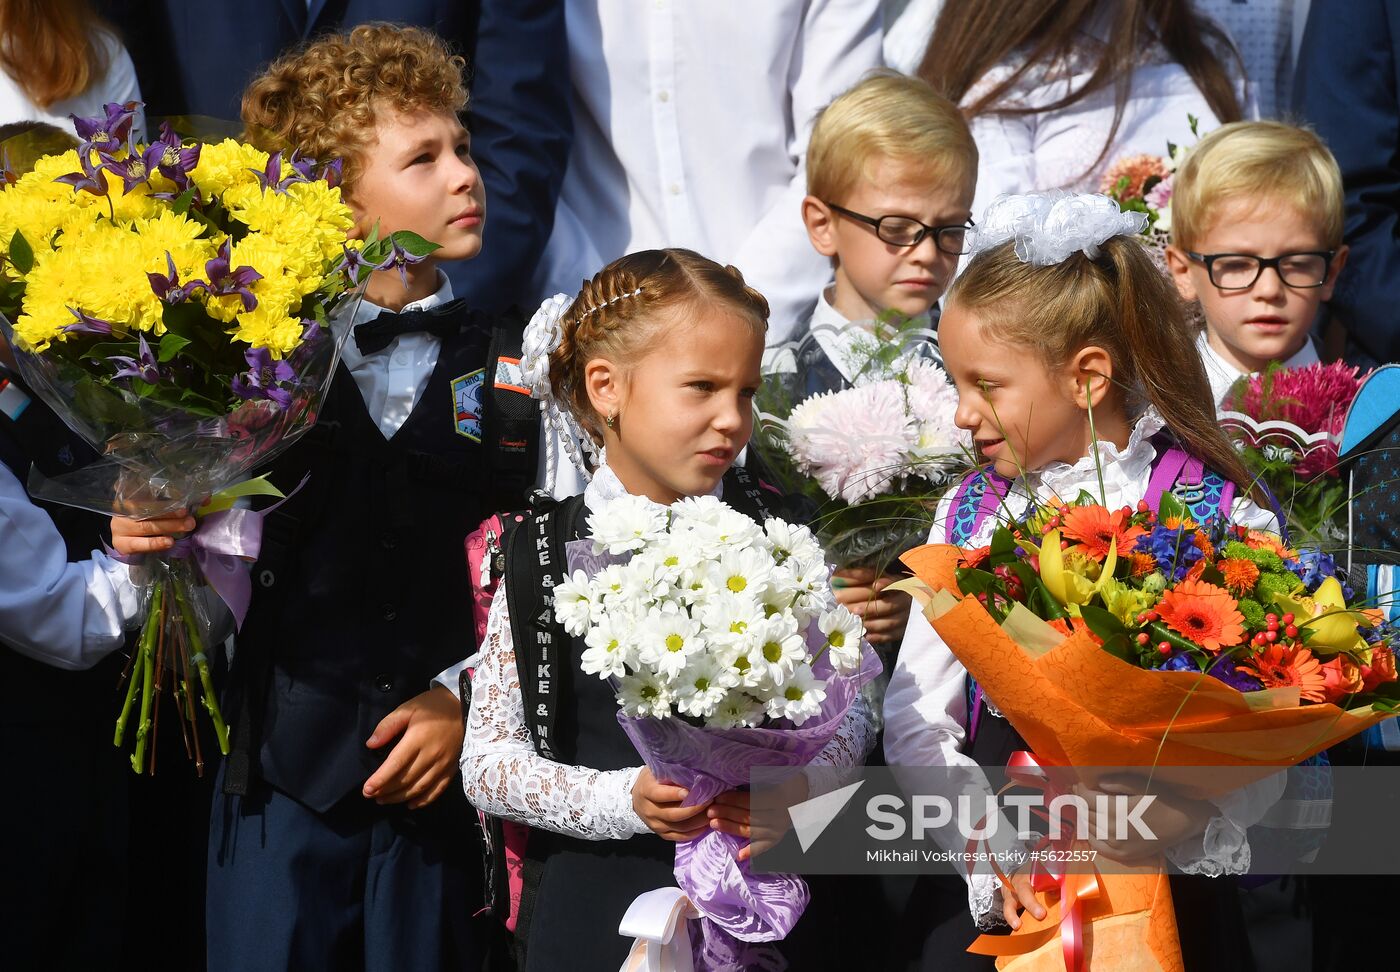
[650, 371]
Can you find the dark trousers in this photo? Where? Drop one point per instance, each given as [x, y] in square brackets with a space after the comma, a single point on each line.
[360, 887]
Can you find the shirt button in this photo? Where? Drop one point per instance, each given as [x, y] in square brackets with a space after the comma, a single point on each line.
[389, 612]
[663, 96]
[384, 682]
[675, 188]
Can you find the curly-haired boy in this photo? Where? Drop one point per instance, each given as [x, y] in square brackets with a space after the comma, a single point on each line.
[339, 838]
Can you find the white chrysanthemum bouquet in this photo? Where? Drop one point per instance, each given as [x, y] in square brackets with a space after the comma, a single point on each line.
[728, 652]
[713, 616]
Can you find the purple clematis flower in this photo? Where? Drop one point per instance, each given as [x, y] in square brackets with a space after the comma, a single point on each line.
[224, 280]
[136, 169]
[167, 286]
[87, 325]
[177, 160]
[400, 260]
[143, 366]
[297, 167]
[90, 179]
[265, 378]
[333, 172]
[8, 175]
[108, 132]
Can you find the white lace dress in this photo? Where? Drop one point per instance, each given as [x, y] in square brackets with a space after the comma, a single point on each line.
[504, 776]
[926, 704]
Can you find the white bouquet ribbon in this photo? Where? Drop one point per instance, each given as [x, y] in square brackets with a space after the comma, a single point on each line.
[658, 921]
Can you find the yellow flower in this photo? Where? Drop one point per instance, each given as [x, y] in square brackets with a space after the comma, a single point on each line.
[227, 164]
[1068, 584]
[1327, 626]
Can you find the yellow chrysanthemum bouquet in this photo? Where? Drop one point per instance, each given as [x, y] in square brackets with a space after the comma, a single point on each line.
[176, 304]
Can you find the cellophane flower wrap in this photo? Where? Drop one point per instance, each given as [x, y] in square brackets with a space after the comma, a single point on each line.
[1140, 638]
[173, 303]
[727, 651]
[1287, 423]
[870, 459]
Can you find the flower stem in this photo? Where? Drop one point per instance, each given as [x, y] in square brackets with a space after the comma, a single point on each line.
[148, 646]
[201, 662]
[138, 658]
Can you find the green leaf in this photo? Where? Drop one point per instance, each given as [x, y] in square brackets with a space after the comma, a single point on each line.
[413, 243]
[171, 345]
[1120, 647]
[182, 202]
[1171, 507]
[1103, 623]
[21, 253]
[142, 388]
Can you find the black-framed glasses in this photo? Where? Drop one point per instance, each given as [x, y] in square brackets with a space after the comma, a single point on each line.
[908, 231]
[1240, 271]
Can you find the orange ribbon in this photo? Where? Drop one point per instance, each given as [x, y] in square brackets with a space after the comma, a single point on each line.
[1073, 889]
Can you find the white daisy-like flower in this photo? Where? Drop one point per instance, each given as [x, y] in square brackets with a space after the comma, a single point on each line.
[702, 686]
[800, 699]
[737, 710]
[745, 572]
[665, 642]
[644, 696]
[627, 524]
[843, 632]
[574, 601]
[726, 618]
[714, 527]
[780, 648]
[743, 660]
[792, 541]
[609, 648]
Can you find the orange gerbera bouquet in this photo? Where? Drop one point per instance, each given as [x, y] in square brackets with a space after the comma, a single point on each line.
[1138, 639]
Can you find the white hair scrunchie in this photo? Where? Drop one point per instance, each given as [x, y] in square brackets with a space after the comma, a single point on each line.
[1049, 226]
[542, 338]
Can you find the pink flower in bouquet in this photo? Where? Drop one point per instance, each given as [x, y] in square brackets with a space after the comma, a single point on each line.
[1137, 169]
[856, 442]
[1315, 398]
[1159, 197]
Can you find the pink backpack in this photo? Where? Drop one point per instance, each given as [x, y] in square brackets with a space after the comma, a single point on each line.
[505, 839]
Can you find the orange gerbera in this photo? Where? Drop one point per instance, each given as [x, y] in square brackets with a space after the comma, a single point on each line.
[1240, 575]
[1206, 614]
[1281, 667]
[1096, 529]
[1143, 563]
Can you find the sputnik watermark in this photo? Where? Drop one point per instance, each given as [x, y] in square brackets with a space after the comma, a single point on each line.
[924, 816]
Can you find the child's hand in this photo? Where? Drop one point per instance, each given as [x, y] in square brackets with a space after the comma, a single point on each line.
[731, 813]
[658, 803]
[1018, 897]
[156, 535]
[863, 591]
[424, 760]
[1170, 818]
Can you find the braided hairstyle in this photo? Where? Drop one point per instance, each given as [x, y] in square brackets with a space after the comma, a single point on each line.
[619, 313]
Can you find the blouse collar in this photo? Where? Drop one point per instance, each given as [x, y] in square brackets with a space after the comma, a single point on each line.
[1120, 467]
[605, 487]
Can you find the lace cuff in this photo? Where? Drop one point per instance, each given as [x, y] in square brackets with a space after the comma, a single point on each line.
[504, 776]
[1223, 848]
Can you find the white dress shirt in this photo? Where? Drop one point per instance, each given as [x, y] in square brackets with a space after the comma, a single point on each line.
[690, 129]
[68, 615]
[1223, 374]
[1057, 149]
[842, 341]
[117, 84]
[926, 704]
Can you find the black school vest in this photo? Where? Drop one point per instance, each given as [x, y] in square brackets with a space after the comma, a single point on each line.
[362, 592]
[29, 688]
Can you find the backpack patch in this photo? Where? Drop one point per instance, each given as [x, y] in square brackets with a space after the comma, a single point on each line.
[466, 404]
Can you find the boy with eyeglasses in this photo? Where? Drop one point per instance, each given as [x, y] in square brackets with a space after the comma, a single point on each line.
[891, 169]
[1256, 232]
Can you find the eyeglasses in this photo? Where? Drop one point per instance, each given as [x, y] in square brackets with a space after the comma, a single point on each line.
[1240, 271]
[907, 231]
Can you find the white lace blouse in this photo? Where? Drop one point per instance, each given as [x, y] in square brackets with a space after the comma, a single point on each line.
[926, 705]
[504, 776]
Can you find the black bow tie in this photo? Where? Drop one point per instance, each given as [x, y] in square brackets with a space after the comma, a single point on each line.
[376, 335]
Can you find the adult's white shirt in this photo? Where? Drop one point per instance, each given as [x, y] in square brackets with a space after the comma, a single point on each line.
[116, 84]
[1060, 149]
[691, 123]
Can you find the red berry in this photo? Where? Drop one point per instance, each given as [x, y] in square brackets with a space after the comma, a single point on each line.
[1165, 647]
[1271, 618]
[1259, 638]
[1053, 523]
[1153, 616]
[1143, 638]
[1271, 636]
[1142, 506]
[1288, 618]
[1292, 630]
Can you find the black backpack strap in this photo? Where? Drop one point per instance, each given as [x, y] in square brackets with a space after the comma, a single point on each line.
[511, 418]
[744, 492]
[535, 564]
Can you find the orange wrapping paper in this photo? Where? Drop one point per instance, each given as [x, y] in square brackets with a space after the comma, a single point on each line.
[1078, 705]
